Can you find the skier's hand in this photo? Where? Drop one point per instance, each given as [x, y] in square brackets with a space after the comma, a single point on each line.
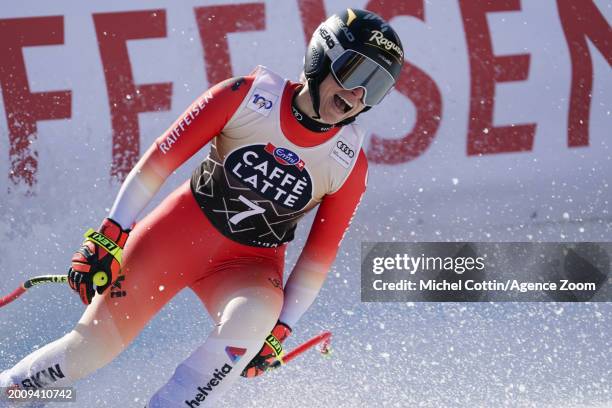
[271, 351]
[97, 263]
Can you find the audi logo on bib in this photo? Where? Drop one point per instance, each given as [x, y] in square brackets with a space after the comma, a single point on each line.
[345, 148]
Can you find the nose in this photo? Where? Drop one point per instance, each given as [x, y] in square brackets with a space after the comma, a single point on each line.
[359, 92]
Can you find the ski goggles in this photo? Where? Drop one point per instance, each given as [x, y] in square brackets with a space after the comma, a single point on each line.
[355, 70]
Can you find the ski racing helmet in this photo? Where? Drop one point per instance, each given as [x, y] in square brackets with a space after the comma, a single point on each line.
[360, 49]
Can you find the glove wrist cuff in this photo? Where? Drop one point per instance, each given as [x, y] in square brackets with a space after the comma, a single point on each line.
[285, 325]
[113, 231]
[281, 331]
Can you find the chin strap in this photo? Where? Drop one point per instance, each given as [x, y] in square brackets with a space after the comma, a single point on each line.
[313, 89]
[346, 121]
[352, 118]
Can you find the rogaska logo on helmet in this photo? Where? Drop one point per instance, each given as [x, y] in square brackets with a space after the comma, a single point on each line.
[381, 41]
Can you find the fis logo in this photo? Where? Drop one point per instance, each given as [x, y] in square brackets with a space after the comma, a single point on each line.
[205, 390]
[262, 102]
[285, 156]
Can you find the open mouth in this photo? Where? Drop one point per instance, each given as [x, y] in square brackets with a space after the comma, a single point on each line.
[342, 104]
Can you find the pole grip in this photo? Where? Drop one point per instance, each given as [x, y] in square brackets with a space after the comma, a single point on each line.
[320, 338]
[37, 280]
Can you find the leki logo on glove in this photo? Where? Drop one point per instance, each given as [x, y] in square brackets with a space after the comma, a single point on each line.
[275, 345]
[105, 242]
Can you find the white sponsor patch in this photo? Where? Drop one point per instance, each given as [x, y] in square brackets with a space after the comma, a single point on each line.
[262, 101]
[343, 152]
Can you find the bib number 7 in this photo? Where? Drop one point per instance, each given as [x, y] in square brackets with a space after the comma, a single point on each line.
[254, 210]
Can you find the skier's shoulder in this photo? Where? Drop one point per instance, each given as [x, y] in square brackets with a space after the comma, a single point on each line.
[348, 151]
[224, 98]
[237, 86]
[359, 172]
[234, 90]
[264, 73]
[259, 76]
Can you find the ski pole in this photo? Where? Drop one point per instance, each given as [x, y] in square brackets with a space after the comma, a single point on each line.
[323, 338]
[37, 280]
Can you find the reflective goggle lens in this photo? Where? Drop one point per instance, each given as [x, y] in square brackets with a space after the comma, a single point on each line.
[353, 70]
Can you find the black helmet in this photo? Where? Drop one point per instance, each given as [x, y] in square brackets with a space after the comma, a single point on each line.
[360, 49]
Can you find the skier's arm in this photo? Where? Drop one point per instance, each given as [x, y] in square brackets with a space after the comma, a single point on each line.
[202, 121]
[333, 218]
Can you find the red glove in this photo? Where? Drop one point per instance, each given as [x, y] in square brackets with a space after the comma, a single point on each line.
[271, 351]
[97, 263]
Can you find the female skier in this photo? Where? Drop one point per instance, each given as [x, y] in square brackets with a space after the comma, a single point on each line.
[278, 150]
